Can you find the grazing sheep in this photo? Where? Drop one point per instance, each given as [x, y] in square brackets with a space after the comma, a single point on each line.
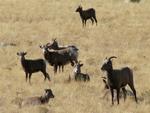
[118, 78]
[57, 58]
[32, 66]
[39, 99]
[87, 14]
[78, 75]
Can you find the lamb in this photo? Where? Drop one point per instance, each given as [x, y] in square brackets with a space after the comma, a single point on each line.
[118, 78]
[32, 66]
[78, 75]
[87, 14]
[56, 58]
[38, 100]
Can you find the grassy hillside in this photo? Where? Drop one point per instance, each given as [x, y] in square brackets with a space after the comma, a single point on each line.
[123, 30]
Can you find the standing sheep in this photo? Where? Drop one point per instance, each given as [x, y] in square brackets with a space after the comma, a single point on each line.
[87, 14]
[32, 66]
[57, 58]
[118, 78]
[71, 50]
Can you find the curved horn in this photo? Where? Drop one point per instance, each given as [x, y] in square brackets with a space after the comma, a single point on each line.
[112, 57]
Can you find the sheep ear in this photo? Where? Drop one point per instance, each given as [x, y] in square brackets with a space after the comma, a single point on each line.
[24, 53]
[18, 54]
[54, 39]
[81, 65]
[46, 90]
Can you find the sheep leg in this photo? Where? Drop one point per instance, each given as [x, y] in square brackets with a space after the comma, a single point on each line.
[85, 22]
[46, 75]
[134, 91]
[59, 68]
[30, 78]
[26, 76]
[62, 68]
[55, 68]
[118, 92]
[92, 21]
[124, 93]
[112, 95]
[95, 19]
[82, 22]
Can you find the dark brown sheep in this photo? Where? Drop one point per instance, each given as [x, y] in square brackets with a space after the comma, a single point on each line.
[32, 66]
[87, 14]
[118, 78]
[57, 58]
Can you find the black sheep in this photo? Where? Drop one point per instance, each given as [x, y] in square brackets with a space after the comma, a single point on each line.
[32, 66]
[87, 14]
[118, 78]
[57, 57]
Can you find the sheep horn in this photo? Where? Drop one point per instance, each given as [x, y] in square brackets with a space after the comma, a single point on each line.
[112, 57]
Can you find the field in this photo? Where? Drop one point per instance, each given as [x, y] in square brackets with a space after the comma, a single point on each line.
[123, 30]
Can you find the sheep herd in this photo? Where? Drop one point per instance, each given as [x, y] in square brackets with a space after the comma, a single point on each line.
[58, 56]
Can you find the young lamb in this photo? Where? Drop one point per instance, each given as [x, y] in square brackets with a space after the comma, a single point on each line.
[38, 100]
[32, 66]
[78, 75]
[87, 14]
[56, 58]
[118, 78]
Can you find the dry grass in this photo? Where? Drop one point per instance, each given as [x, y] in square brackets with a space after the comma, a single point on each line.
[123, 30]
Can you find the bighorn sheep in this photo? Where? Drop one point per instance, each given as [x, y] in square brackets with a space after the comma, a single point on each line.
[57, 58]
[78, 75]
[118, 78]
[38, 100]
[32, 66]
[71, 49]
[87, 14]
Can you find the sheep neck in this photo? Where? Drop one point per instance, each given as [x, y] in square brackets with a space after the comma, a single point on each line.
[109, 73]
[81, 13]
[23, 61]
[44, 99]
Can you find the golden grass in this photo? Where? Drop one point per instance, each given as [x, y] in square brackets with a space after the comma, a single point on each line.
[123, 31]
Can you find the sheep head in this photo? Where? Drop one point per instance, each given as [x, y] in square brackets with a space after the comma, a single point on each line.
[107, 65]
[49, 93]
[79, 9]
[22, 54]
[53, 45]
